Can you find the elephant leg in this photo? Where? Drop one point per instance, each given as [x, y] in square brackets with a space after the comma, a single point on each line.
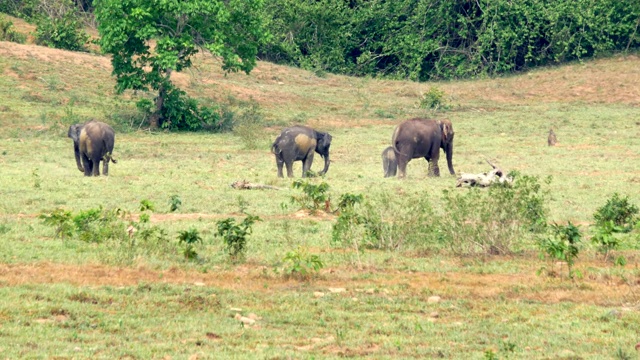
[289, 165]
[306, 164]
[87, 165]
[105, 165]
[402, 167]
[280, 164]
[434, 170]
[96, 167]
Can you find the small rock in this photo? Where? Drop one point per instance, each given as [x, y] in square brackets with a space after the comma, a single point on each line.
[566, 353]
[77, 349]
[434, 315]
[433, 299]
[235, 309]
[197, 283]
[354, 299]
[254, 316]
[318, 294]
[370, 291]
[386, 291]
[244, 320]
[337, 290]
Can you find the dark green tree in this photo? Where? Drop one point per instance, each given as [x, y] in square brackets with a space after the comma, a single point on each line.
[149, 39]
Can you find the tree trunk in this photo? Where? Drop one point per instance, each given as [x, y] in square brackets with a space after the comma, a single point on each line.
[156, 119]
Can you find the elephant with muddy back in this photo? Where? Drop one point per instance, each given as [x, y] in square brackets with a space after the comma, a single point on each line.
[92, 142]
[300, 143]
[421, 138]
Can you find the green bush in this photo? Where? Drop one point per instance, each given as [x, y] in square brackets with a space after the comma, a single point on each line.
[189, 239]
[385, 222]
[64, 32]
[314, 197]
[619, 211]
[432, 99]
[562, 244]
[300, 265]
[180, 112]
[235, 235]
[8, 32]
[493, 221]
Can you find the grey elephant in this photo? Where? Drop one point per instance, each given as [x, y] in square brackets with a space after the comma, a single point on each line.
[389, 162]
[92, 142]
[416, 138]
[300, 143]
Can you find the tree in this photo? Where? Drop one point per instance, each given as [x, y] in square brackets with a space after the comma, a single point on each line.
[149, 39]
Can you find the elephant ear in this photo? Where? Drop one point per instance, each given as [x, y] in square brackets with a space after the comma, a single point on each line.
[74, 132]
[324, 142]
[447, 131]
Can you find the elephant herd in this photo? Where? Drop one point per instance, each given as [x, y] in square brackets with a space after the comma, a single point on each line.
[93, 142]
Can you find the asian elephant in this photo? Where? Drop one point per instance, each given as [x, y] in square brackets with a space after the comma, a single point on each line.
[93, 142]
[417, 138]
[300, 143]
[389, 162]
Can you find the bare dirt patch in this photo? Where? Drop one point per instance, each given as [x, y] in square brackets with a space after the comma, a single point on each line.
[518, 287]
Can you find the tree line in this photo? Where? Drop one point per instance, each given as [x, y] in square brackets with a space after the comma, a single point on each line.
[418, 40]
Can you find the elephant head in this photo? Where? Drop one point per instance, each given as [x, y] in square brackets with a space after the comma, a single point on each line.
[447, 142]
[74, 134]
[322, 148]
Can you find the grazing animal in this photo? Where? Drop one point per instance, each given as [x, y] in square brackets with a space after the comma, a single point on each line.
[300, 143]
[416, 138]
[552, 139]
[92, 142]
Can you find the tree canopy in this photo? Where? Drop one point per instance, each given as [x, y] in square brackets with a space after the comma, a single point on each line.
[149, 39]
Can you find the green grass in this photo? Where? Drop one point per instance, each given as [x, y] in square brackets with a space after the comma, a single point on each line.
[493, 305]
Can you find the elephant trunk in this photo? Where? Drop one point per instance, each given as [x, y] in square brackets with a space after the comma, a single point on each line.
[449, 151]
[76, 150]
[326, 164]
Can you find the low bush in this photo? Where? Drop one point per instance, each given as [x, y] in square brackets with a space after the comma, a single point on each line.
[235, 235]
[619, 211]
[562, 244]
[493, 221]
[63, 32]
[9, 33]
[299, 264]
[313, 198]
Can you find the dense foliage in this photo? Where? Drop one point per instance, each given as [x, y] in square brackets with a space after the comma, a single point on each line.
[424, 40]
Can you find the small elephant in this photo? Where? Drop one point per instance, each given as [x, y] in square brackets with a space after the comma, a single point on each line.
[389, 162]
[300, 143]
[417, 138]
[93, 142]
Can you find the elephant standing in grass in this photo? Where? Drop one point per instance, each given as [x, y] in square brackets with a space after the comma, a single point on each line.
[389, 162]
[300, 143]
[418, 138]
[92, 142]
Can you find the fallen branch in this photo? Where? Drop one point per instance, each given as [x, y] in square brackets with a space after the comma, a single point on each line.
[245, 185]
[484, 179]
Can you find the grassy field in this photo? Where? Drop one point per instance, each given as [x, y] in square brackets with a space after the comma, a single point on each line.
[68, 298]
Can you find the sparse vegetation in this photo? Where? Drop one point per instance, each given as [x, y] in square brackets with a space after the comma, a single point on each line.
[562, 244]
[235, 236]
[299, 264]
[9, 33]
[314, 197]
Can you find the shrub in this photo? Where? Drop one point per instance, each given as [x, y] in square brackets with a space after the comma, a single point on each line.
[8, 32]
[189, 238]
[63, 32]
[562, 244]
[235, 235]
[493, 221]
[604, 238]
[174, 203]
[314, 197]
[386, 222]
[432, 99]
[619, 211]
[248, 125]
[300, 265]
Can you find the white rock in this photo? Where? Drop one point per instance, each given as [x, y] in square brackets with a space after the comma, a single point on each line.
[197, 283]
[433, 299]
[235, 309]
[254, 316]
[370, 291]
[434, 315]
[318, 294]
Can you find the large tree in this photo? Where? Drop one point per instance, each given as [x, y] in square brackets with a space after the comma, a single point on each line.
[149, 39]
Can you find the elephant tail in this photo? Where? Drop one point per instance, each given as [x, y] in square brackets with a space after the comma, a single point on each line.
[113, 160]
[394, 142]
